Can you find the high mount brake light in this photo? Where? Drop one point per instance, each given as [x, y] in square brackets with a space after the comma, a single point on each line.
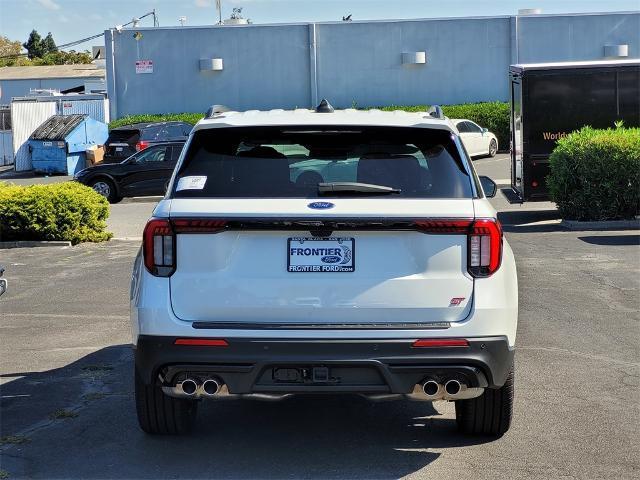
[484, 241]
[141, 145]
[159, 241]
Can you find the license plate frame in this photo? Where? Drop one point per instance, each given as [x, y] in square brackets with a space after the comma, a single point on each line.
[338, 255]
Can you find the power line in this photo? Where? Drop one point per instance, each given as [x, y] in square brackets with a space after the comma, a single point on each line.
[83, 40]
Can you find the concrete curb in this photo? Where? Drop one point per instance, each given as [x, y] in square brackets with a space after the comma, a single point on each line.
[34, 243]
[142, 199]
[602, 225]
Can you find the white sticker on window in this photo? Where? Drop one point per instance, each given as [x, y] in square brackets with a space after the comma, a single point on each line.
[191, 183]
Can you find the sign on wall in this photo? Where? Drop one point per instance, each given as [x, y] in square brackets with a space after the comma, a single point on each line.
[144, 66]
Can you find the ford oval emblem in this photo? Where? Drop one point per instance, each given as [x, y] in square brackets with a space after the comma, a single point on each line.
[330, 259]
[321, 205]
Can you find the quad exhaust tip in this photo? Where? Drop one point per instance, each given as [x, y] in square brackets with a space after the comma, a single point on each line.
[430, 388]
[189, 387]
[452, 387]
[210, 387]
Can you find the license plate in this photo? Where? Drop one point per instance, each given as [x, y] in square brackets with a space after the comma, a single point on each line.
[314, 254]
[118, 149]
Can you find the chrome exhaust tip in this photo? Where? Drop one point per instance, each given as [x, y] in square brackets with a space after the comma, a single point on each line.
[452, 387]
[211, 387]
[430, 388]
[189, 387]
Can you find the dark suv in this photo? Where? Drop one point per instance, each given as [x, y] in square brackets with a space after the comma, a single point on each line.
[144, 173]
[127, 140]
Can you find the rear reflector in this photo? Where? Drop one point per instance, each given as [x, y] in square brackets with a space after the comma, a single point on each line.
[440, 342]
[202, 342]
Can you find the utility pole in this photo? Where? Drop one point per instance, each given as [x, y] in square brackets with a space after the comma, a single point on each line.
[219, 8]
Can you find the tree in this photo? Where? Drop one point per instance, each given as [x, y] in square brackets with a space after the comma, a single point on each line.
[34, 45]
[9, 51]
[48, 45]
[64, 58]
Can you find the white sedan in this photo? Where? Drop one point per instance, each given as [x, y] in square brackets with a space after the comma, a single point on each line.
[477, 140]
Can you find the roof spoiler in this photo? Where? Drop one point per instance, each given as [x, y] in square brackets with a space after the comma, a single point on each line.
[435, 111]
[216, 110]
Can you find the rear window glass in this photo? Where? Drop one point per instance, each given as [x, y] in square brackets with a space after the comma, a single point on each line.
[154, 133]
[124, 136]
[281, 162]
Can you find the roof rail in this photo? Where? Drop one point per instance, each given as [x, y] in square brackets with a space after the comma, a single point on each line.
[435, 111]
[216, 110]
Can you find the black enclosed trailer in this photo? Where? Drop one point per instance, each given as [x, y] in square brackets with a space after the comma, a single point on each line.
[551, 100]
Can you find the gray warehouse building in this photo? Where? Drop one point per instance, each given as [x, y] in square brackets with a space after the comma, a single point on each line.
[23, 81]
[368, 63]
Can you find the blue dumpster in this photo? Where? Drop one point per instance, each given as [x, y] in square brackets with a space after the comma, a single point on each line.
[60, 143]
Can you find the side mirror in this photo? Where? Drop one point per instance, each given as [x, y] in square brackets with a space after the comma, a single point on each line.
[485, 130]
[489, 186]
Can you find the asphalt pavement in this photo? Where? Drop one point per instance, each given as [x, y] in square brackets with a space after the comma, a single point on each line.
[67, 407]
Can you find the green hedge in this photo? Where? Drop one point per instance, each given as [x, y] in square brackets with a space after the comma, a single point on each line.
[595, 174]
[191, 118]
[491, 115]
[63, 211]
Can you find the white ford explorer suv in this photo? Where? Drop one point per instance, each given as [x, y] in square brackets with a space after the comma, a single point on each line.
[324, 251]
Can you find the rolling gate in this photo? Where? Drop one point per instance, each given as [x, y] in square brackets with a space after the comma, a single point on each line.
[60, 143]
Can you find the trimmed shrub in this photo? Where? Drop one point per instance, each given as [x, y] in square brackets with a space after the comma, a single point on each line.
[491, 115]
[191, 118]
[63, 211]
[595, 174]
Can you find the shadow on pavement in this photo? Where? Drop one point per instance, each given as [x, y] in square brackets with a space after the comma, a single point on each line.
[612, 240]
[80, 423]
[527, 221]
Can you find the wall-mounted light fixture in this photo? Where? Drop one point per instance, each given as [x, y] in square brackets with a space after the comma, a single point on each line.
[529, 11]
[414, 58]
[616, 51]
[211, 64]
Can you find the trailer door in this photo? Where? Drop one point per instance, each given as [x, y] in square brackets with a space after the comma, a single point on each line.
[516, 135]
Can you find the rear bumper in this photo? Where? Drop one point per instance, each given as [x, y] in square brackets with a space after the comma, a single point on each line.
[248, 365]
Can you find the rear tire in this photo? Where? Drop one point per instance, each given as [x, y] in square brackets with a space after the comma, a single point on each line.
[159, 414]
[488, 414]
[106, 188]
[493, 148]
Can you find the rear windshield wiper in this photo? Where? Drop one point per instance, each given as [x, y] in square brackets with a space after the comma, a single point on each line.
[355, 188]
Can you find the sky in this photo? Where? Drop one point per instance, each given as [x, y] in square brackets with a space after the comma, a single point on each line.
[70, 20]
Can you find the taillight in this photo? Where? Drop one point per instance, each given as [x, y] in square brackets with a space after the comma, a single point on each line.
[485, 247]
[484, 243]
[141, 145]
[159, 240]
[196, 225]
[159, 250]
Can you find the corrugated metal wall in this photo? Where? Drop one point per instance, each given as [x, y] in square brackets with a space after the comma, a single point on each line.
[6, 147]
[28, 114]
[96, 109]
[25, 118]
